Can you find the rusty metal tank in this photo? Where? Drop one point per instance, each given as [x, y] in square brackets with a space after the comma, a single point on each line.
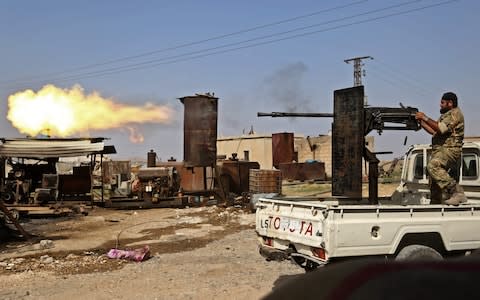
[200, 130]
[151, 159]
[235, 175]
[314, 170]
[282, 148]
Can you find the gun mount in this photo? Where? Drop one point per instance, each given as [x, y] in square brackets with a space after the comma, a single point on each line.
[348, 142]
[376, 118]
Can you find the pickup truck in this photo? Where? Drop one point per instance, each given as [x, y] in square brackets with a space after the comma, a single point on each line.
[316, 231]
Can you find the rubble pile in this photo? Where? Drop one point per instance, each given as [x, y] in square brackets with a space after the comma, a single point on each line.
[86, 262]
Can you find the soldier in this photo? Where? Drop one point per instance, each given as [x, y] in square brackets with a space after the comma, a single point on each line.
[447, 141]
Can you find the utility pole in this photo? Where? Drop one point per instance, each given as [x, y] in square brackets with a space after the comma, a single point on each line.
[357, 68]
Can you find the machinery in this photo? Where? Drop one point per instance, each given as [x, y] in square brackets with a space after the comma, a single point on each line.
[23, 179]
[156, 183]
[38, 170]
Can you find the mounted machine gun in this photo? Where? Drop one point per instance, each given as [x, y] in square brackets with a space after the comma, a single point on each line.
[375, 117]
[348, 143]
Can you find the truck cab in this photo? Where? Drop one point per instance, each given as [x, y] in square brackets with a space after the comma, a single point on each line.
[414, 184]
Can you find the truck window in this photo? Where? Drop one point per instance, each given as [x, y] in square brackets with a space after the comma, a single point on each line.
[418, 167]
[469, 166]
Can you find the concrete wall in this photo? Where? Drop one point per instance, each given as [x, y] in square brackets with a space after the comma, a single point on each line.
[323, 150]
[260, 149]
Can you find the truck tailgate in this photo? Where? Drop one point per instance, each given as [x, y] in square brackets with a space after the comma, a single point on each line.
[300, 222]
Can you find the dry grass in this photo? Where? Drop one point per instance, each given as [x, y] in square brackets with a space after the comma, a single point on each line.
[306, 189]
[325, 189]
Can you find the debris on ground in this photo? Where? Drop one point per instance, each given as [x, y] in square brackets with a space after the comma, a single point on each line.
[138, 255]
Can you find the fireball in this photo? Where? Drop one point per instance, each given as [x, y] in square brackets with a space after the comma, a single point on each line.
[67, 112]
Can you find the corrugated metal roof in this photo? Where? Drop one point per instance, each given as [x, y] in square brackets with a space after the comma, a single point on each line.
[47, 148]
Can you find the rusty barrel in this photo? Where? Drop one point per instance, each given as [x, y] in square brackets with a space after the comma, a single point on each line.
[265, 181]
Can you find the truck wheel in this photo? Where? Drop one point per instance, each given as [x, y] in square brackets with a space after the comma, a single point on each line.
[418, 252]
[307, 265]
[310, 266]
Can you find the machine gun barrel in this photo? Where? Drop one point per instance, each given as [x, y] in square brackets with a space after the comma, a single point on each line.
[286, 114]
[376, 118]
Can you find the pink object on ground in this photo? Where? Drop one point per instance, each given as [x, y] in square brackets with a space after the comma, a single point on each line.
[139, 254]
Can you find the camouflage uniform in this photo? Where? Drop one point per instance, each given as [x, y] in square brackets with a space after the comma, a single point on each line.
[446, 152]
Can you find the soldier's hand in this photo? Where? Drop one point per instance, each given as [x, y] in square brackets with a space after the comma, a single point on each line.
[420, 116]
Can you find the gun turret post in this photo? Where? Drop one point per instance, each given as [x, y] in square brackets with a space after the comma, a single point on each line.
[352, 121]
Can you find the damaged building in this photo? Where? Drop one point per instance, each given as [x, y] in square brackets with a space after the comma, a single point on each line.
[271, 150]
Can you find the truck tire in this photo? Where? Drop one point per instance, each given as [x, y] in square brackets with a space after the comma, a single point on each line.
[418, 252]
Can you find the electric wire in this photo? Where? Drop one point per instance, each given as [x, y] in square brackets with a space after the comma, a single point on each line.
[147, 63]
[399, 81]
[180, 59]
[406, 75]
[252, 39]
[396, 85]
[188, 44]
[190, 56]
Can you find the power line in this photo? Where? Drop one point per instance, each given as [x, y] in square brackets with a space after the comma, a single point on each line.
[147, 63]
[180, 59]
[404, 74]
[395, 84]
[257, 38]
[188, 44]
[174, 57]
[397, 81]
[196, 52]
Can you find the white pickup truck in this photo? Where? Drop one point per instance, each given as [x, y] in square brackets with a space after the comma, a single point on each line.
[314, 232]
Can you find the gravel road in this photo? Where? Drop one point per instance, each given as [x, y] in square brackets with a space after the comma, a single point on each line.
[197, 253]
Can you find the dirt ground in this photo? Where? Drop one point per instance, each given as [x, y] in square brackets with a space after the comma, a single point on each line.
[196, 253]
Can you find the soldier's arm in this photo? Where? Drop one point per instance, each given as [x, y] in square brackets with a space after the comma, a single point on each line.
[427, 127]
[431, 126]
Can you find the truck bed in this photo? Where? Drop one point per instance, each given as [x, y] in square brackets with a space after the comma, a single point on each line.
[342, 230]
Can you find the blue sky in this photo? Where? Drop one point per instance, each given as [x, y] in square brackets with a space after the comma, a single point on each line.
[417, 56]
